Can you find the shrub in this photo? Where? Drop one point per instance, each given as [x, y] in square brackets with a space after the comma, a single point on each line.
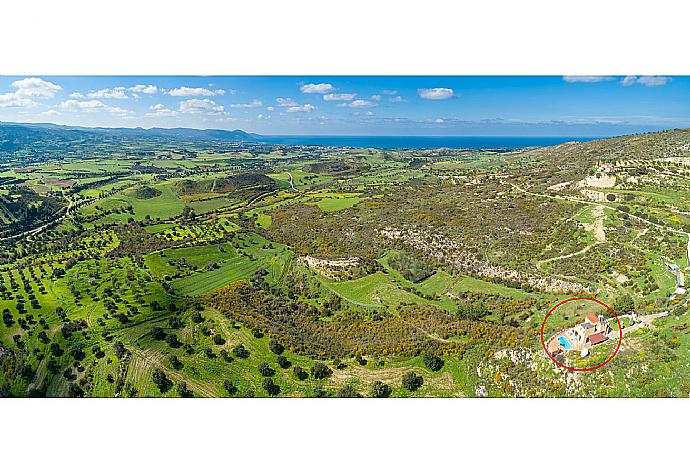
[348, 391]
[271, 387]
[283, 362]
[240, 351]
[161, 380]
[275, 347]
[380, 390]
[320, 371]
[265, 370]
[412, 381]
[432, 362]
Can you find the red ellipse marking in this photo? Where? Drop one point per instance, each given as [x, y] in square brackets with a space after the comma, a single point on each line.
[620, 337]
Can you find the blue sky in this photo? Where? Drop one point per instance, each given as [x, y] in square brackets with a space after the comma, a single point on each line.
[357, 105]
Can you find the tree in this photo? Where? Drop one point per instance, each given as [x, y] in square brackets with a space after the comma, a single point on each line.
[78, 353]
[271, 387]
[175, 362]
[275, 347]
[300, 373]
[624, 304]
[75, 391]
[229, 386]
[161, 380]
[348, 391]
[157, 333]
[412, 381]
[56, 350]
[320, 371]
[432, 362]
[380, 390]
[184, 391]
[172, 341]
[283, 362]
[119, 349]
[319, 391]
[265, 370]
[240, 351]
[218, 339]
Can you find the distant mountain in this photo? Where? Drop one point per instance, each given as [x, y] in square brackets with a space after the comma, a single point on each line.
[50, 138]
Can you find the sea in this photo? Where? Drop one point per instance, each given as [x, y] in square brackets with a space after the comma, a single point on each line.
[426, 142]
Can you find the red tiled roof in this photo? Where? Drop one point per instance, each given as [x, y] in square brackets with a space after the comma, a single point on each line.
[593, 318]
[596, 338]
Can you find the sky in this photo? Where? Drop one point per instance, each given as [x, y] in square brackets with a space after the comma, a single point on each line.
[357, 105]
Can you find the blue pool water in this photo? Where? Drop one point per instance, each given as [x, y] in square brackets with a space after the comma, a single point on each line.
[564, 342]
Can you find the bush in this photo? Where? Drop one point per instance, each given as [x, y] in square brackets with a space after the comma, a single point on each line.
[320, 371]
[271, 387]
[265, 370]
[229, 387]
[275, 347]
[172, 341]
[380, 390]
[432, 362]
[283, 362]
[157, 333]
[348, 391]
[161, 380]
[412, 381]
[300, 373]
[240, 351]
[184, 391]
[175, 362]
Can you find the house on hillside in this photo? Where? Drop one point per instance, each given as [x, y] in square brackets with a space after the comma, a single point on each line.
[607, 167]
[592, 331]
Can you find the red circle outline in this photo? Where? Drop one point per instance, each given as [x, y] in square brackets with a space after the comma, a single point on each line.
[575, 369]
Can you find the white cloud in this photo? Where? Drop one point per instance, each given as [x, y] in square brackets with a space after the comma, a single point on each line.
[26, 90]
[317, 88]
[33, 87]
[50, 113]
[438, 93]
[587, 79]
[11, 100]
[147, 89]
[397, 99]
[117, 93]
[439, 120]
[390, 92]
[252, 104]
[628, 80]
[194, 92]
[358, 104]
[339, 97]
[376, 97]
[91, 106]
[161, 110]
[261, 116]
[270, 108]
[286, 102]
[196, 105]
[301, 108]
[646, 80]
[76, 95]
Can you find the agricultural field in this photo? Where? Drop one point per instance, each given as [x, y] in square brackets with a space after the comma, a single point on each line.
[173, 268]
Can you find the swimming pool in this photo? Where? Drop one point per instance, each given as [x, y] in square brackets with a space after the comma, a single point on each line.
[564, 342]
